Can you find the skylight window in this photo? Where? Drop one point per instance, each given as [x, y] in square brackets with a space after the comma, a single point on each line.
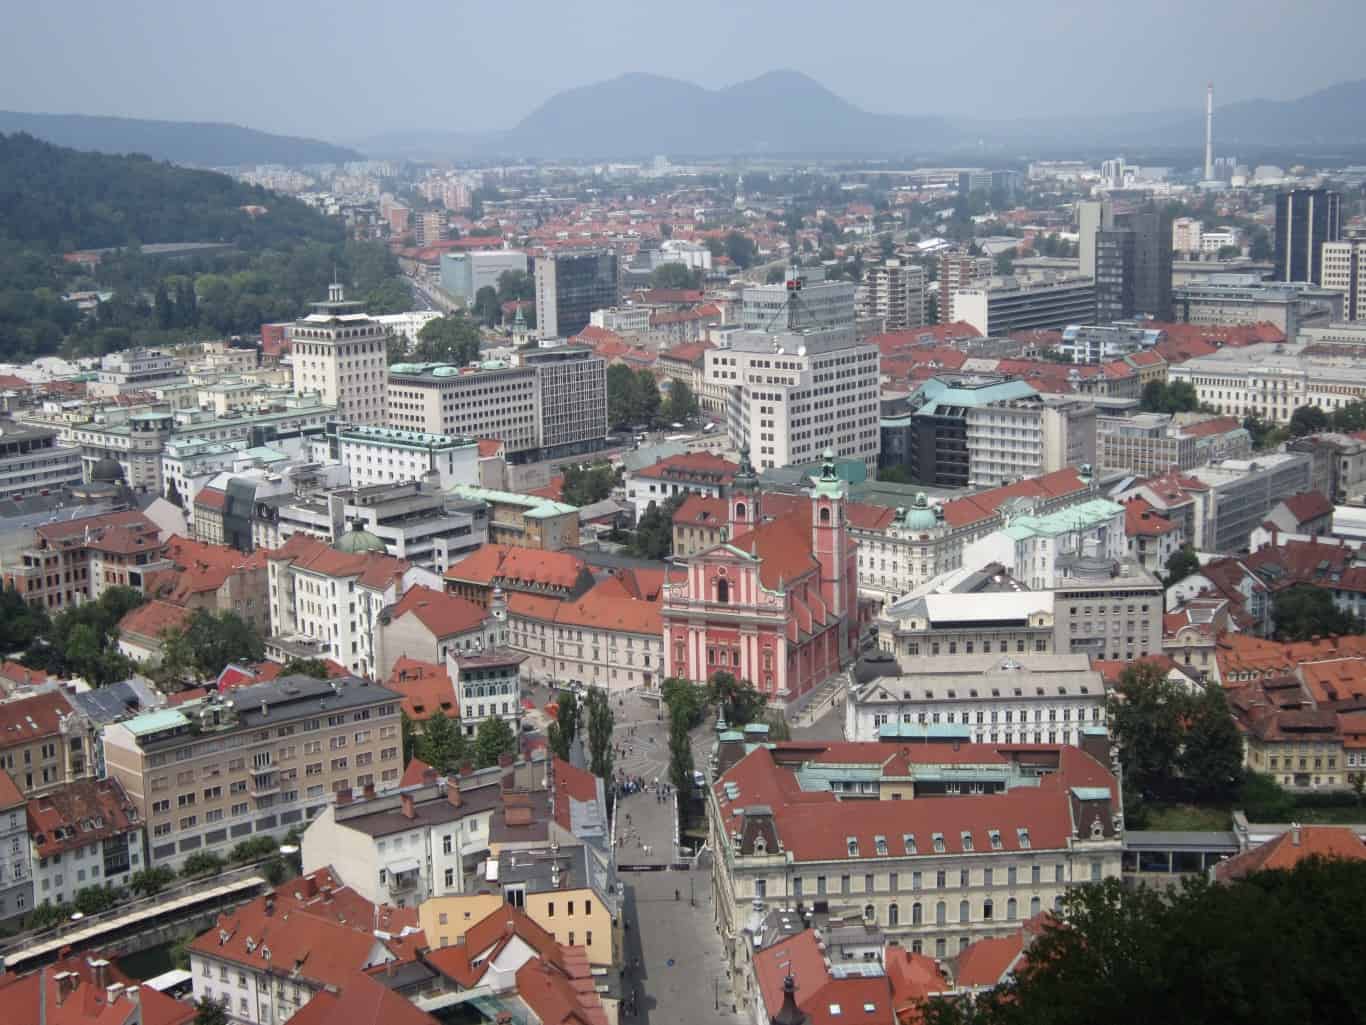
[1023, 834]
[852, 841]
[938, 839]
[967, 841]
[908, 839]
[994, 835]
[881, 843]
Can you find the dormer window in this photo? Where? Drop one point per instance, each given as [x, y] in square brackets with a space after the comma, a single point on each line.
[967, 841]
[852, 843]
[908, 841]
[938, 839]
[880, 842]
[1023, 834]
[994, 835]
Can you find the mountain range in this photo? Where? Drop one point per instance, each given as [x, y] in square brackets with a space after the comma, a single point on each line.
[780, 113]
[198, 144]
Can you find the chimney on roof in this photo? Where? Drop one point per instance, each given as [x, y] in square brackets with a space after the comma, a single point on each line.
[1295, 833]
[408, 811]
[99, 971]
[66, 985]
[453, 795]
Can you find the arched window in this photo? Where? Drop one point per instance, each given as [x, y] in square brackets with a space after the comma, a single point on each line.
[964, 911]
[825, 514]
[1012, 909]
[739, 510]
[870, 913]
[940, 913]
[893, 915]
[1033, 906]
[723, 591]
[917, 914]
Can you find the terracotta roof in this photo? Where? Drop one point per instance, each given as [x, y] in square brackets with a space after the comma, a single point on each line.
[484, 939]
[445, 615]
[702, 511]
[415, 773]
[961, 511]
[1292, 847]
[17, 672]
[426, 688]
[211, 498]
[1142, 520]
[490, 447]
[515, 565]
[10, 795]
[1308, 506]
[69, 530]
[913, 978]
[825, 999]
[689, 352]
[691, 464]
[571, 783]
[1217, 425]
[360, 1000]
[554, 490]
[38, 998]
[783, 546]
[986, 962]
[29, 718]
[81, 812]
[309, 553]
[609, 605]
[153, 618]
[205, 567]
[558, 998]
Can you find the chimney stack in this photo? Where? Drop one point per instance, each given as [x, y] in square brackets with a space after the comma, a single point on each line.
[1295, 833]
[408, 811]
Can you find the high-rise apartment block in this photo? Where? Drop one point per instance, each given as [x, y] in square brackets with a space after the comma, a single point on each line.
[998, 306]
[1093, 216]
[1344, 263]
[958, 270]
[570, 285]
[338, 353]
[895, 294]
[1305, 220]
[796, 378]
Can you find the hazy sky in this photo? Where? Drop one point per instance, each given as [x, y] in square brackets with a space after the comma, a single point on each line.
[346, 69]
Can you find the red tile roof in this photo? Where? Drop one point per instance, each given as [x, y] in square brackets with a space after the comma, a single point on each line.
[38, 998]
[783, 546]
[10, 795]
[28, 718]
[973, 508]
[205, 567]
[360, 1000]
[532, 566]
[1142, 520]
[317, 556]
[426, 688]
[571, 783]
[153, 619]
[1292, 847]
[17, 672]
[913, 978]
[1215, 425]
[81, 812]
[824, 998]
[445, 615]
[211, 498]
[986, 962]
[702, 511]
[691, 465]
[1308, 506]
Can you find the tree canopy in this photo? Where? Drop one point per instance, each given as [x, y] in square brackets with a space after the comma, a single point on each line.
[1177, 397]
[82, 640]
[654, 533]
[1302, 611]
[681, 404]
[675, 275]
[1268, 948]
[205, 644]
[493, 739]
[584, 485]
[736, 699]
[453, 338]
[565, 728]
[1181, 564]
[632, 397]
[601, 720]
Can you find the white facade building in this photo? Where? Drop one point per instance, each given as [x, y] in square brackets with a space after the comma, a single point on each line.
[385, 455]
[339, 353]
[407, 325]
[1011, 440]
[1343, 265]
[897, 294]
[1030, 546]
[1271, 381]
[985, 699]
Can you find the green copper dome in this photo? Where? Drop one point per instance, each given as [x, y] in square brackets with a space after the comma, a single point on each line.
[358, 541]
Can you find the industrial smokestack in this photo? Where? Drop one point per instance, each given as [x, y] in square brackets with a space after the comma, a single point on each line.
[1209, 132]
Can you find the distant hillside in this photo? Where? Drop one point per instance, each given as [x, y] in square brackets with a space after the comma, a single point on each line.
[56, 198]
[780, 112]
[202, 144]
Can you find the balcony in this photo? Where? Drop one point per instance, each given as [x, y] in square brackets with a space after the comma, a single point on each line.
[264, 782]
[403, 875]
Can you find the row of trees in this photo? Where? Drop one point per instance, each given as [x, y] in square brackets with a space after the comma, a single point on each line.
[585, 484]
[633, 399]
[513, 286]
[591, 721]
[738, 701]
[1176, 397]
[1314, 420]
[441, 743]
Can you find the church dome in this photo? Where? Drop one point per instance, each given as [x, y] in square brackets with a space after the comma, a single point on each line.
[106, 471]
[358, 541]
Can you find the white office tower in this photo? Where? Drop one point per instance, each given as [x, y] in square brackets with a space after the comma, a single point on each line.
[338, 351]
[1344, 264]
[1209, 132]
[796, 377]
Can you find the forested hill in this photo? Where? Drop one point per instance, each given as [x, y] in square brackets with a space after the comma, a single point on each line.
[61, 199]
[54, 200]
[202, 143]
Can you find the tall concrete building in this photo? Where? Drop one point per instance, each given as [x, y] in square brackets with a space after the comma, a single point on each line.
[895, 294]
[1343, 266]
[1093, 215]
[1133, 267]
[338, 352]
[464, 274]
[570, 285]
[1305, 220]
[797, 379]
[998, 306]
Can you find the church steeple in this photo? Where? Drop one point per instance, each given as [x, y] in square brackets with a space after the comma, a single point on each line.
[789, 1013]
[744, 495]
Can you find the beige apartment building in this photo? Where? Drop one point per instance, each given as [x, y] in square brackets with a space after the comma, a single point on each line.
[493, 401]
[45, 742]
[255, 761]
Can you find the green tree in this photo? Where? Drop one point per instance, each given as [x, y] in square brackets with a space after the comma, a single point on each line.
[440, 743]
[1212, 750]
[453, 338]
[1349, 418]
[566, 725]
[623, 396]
[516, 286]
[91, 900]
[600, 724]
[897, 474]
[493, 739]
[775, 276]
[737, 700]
[584, 485]
[675, 275]
[1005, 263]
[314, 667]
[1303, 611]
[1181, 564]
[1308, 420]
[1264, 433]
[20, 623]
[1146, 712]
[151, 881]
[685, 698]
[1177, 397]
[682, 404]
[741, 249]
[654, 534]
[210, 1012]
[44, 916]
[680, 754]
[647, 390]
[206, 644]
[487, 309]
[255, 849]
[1201, 954]
[201, 863]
